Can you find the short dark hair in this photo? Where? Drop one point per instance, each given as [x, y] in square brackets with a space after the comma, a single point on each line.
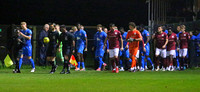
[132, 24]
[160, 26]
[99, 25]
[169, 28]
[63, 26]
[121, 28]
[141, 26]
[54, 24]
[112, 25]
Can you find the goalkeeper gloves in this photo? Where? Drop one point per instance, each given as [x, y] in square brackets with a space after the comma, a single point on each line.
[130, 40]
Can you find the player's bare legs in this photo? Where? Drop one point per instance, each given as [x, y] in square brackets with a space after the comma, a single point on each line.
[79, 63]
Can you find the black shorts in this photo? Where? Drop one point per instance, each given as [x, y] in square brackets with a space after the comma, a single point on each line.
[51, 51]
[66, 51]
[18, 53]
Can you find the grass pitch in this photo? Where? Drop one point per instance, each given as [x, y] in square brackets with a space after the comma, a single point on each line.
[104, 81]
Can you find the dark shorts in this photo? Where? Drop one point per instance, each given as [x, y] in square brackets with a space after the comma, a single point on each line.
[51, 51]
[66, 51]
[18, 53]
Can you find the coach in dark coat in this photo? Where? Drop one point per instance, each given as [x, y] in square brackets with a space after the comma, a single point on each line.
[42, 45]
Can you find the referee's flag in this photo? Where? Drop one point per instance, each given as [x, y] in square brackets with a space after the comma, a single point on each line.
[7, 61]
[73, 61]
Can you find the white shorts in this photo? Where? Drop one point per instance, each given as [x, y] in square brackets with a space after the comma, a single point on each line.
[138, 54]
[183, 52]
[161, 52]
[113, 52]
[171, 52]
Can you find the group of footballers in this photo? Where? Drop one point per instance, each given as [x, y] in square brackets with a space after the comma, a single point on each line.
[73, 43]
[125, 48]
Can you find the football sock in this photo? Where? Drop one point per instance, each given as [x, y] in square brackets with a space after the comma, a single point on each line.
[79, 64]
[20, 63]
[149, 59]
[165, 62]
[177, 61]
[66, 65]
[100, 62]
[120, 62]
[83, 65]
[142, 61]
[157, 61]
[117, 61]
[17, 65]
[145, 63]
[32, 63]
[133, 61]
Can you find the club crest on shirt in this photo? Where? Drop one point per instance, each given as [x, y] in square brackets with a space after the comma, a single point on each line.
[66, 38]
[54, 37]
[80, 34]
[100, 35]
[115, 32]
[184, 34]
[162, 34]
[172, 36]
[134, 33]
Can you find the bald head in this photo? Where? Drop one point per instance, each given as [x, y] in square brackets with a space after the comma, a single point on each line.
[46, 27]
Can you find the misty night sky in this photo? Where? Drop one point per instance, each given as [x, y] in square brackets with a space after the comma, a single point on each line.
[71, 12]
